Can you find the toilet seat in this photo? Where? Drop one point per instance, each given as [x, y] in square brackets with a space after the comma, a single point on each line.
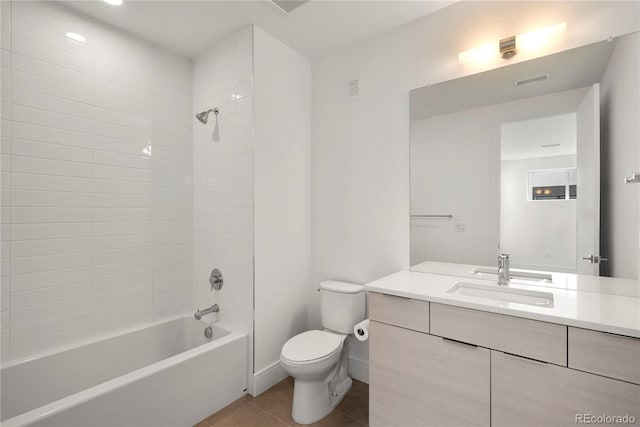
[311, 347]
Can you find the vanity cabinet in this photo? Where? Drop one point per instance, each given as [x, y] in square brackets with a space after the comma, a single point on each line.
[434, 364]
[526, 392]
[418, 379]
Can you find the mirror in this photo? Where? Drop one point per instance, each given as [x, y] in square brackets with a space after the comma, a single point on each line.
[530, 159]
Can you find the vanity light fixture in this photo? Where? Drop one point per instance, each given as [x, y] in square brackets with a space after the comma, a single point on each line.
[114, 2]
[510, 46]
[507, 47]
[76, 37]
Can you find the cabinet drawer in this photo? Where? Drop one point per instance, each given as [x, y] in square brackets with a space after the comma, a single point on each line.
[404, 312]
[525, 337]
[530, 393]
[610, 355]
[421, 380]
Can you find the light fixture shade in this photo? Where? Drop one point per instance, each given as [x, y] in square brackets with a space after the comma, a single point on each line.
[481, 54]
[534, 40]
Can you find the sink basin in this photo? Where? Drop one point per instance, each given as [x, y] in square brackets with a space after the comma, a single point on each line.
[528, 275]
[502, 293]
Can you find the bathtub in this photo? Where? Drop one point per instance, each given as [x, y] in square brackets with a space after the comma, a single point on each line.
[167, 374]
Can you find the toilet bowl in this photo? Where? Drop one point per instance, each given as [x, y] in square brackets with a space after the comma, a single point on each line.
[318, 359]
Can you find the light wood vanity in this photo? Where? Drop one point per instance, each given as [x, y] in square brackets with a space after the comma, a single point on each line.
[434, 364]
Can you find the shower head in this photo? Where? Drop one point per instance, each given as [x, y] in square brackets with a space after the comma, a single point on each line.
[203, 117]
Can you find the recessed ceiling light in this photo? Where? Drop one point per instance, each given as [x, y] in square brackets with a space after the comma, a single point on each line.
[114, 2]
[76, 37]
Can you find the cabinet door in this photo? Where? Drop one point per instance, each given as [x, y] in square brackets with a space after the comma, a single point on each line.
[532, 393]
[421, 380]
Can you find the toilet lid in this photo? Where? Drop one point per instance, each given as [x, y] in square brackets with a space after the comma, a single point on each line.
[311, 345]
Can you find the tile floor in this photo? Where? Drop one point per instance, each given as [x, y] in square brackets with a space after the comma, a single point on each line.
[273, 408]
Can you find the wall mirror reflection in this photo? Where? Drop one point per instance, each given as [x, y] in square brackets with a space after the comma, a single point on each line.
[530, 159]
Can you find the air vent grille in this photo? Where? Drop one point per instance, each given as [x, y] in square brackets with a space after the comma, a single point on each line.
[354, 89]
[289, 5]
[531, 80]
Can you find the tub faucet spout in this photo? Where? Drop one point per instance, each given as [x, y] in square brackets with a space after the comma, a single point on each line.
[199, 313]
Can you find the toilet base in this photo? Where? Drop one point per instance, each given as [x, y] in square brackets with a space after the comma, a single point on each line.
[314, 400]
[340, 392]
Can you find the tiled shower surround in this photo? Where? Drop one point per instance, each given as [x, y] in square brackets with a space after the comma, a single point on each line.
[97, 193]
[223, 179]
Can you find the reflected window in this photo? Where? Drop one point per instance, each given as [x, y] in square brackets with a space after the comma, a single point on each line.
[553, 184]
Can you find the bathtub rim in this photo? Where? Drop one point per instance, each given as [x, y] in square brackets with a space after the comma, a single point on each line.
[104, 337]
[80, 397]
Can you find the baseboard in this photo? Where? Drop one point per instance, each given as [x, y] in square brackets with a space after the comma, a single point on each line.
[266, 378]
[359, 369]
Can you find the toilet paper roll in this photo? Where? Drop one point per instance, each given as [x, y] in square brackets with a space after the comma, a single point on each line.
[361, 330]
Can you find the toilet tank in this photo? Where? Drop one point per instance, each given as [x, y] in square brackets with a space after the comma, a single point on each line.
[342, 305]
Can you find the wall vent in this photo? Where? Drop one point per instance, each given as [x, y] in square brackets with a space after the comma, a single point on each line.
[531, 80]
[353, 89]
[289, 5]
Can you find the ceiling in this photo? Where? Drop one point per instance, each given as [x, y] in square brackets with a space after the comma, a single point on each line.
[540, 137]
[314, 29]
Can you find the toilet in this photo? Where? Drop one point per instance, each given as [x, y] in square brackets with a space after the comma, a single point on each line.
[318, 360]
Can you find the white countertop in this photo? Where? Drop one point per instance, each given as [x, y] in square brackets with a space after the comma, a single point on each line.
[618, 314]
[567, 281]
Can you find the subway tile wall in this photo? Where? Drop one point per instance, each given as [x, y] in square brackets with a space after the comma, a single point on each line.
[223, 180]
[97, 194]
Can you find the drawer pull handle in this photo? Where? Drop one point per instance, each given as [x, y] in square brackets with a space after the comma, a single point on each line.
[525, 359]
[395, 296]
[466, 344]
[621, 336]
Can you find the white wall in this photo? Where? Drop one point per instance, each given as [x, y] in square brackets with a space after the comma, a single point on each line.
[96, 144]
[282, 121]
[360, 150]
[620, 133]
[223, 180]
[538, 235]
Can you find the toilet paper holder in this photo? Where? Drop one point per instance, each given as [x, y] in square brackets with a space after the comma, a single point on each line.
[361, 330]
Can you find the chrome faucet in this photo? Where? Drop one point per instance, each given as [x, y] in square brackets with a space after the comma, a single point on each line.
[503, 270]
[199, 313]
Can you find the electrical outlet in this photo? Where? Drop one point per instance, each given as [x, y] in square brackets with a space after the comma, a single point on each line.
[459, 226]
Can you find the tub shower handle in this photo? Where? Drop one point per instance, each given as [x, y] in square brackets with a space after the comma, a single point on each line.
[216, 279]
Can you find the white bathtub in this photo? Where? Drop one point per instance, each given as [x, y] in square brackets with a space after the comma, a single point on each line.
[167, 374]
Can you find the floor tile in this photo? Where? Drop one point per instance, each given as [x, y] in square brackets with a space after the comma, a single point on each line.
[336, 419]
[247, 415]
[227, 410]
[356, 402]
[277, 401]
